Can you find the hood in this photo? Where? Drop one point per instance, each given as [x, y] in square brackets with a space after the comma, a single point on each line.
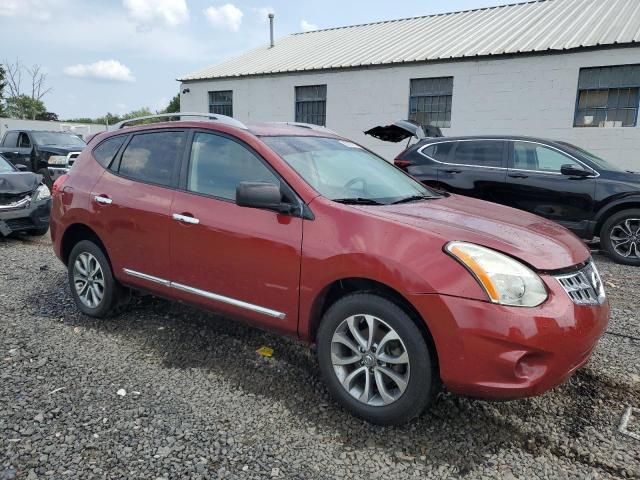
[18, 182]
[60, 149]
[538, 242]
[401, 130]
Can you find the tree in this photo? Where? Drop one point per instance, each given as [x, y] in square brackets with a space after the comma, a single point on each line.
[47, 116]
[3, 84]
[174, 105]
[25, 107]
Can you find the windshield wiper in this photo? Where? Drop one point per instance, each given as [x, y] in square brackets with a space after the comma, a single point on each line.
[357, 201]
[412, 198]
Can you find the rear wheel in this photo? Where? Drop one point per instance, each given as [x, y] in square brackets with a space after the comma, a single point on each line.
[620, 237]
[374, 359]
[93, 287]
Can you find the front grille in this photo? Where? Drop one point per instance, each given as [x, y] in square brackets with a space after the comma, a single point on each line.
[71, 158]
[8, 202]
[584, 287]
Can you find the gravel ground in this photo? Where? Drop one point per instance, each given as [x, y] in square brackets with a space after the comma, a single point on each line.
[201, 403]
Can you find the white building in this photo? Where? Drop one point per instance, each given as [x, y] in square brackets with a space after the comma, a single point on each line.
[561, 69]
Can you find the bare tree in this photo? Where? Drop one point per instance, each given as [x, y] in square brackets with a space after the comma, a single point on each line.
[38, 79]
[14, 79]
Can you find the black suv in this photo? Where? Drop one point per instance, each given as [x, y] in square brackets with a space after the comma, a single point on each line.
[553, 179]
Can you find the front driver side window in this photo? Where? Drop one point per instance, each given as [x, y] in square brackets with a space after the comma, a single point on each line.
[23, 141]
[218, 164]
[536, 157]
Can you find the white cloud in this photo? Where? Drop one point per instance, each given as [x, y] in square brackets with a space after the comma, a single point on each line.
[103, 70]
[227, 16]
[39, 9]
[167, 12]
[307, 26]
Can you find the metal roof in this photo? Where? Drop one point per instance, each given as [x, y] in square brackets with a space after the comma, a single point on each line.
[537, 26]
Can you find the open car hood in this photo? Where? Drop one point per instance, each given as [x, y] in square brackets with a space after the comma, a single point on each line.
[401, 130]
[18, 182]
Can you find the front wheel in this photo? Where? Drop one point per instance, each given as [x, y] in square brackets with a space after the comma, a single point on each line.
[374, 359]
[620, 237]
[93, 287]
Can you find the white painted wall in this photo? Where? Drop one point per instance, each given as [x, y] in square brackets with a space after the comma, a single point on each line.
[82, 129]
[524, 95]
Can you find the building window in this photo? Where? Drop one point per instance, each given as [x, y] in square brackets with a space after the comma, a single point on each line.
[221, 102]
[311, 104]
[608, 96]
[430, 101]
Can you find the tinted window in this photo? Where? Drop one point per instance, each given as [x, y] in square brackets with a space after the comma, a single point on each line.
[532, 156]
[485, 153]
[151, 157]
[218, 164]
[11, 139]
[23, 141]
[439, 151]
[105, 152]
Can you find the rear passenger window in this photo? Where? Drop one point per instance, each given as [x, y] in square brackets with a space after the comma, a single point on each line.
[485, 153]
[438, 151]
[105, 152]
[152, 157]
[218, 164]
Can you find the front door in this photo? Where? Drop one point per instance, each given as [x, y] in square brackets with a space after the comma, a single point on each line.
[131, 204]
[475, 168]
[535, 184]
[243, 261]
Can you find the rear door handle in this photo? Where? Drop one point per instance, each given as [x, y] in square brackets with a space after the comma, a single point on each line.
[186, 219]
[518, 175]
[103, 200]
[453, 171]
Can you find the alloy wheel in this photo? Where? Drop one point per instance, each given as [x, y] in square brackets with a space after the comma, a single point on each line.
[625, 238]
[370, 360]
[88, 279]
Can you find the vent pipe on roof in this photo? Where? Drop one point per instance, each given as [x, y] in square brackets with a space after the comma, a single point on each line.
[271, 29]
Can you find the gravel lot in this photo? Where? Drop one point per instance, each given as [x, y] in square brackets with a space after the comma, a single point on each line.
[201, 403]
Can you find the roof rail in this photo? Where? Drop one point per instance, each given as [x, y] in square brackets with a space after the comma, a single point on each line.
[209, 116]
[310, 126]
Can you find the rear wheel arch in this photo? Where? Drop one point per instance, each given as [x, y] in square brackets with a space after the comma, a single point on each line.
[346, 286]
[76, 233]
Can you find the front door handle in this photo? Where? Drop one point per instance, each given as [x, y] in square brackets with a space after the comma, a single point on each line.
[103, 200]
[518, 175]
[186, 219]
[453, 171]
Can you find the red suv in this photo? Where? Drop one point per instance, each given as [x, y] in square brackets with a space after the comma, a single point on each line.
[297, 230]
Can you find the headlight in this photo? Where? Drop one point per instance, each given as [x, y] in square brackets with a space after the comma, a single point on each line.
[506, 281]
[57, 160]
[42, 193]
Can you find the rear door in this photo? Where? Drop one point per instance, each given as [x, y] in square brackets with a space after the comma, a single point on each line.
[245, 261]
[475, 168]
[536, 184]
[132, 204]
[10, 146]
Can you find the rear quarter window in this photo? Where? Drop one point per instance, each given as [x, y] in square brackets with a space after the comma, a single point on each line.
[105, 152]
[438, 151]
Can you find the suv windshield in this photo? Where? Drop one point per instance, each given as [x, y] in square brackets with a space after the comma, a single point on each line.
[600, 162]
[55, 138]
[345, 172]
[5, 166]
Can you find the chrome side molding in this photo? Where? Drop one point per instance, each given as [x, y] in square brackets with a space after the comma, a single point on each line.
[210, 295]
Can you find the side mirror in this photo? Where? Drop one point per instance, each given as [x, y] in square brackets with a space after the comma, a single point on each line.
[262, 195]
[22, 168]
[572, 170]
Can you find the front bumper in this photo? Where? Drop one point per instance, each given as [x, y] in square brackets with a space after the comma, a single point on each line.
[498, 352]
[35, 216]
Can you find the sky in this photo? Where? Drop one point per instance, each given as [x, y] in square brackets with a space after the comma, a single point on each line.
[119, 55]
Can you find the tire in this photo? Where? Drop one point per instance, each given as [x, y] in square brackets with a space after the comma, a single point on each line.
[111, 290]
[46, 177]
[421, 380]
[620, 226]
[38, 232]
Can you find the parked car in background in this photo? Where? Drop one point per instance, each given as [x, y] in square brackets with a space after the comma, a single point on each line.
[50, 154]
[25, 202]
[553, 179]
[298, 230]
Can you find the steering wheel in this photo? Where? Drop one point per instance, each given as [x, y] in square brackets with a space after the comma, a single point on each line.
[353, 181]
